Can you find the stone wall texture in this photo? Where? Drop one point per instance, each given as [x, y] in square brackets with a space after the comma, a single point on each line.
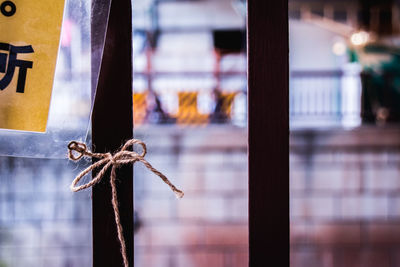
[209, 226]
[345, 192]
[345, 202]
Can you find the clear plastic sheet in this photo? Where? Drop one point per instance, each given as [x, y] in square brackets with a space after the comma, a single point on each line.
[76, 73]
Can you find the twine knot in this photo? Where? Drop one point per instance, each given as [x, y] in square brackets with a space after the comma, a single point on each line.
[77, 150]
[78, 147]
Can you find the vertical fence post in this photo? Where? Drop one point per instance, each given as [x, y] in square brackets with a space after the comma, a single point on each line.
[268, 133]
[112, 125]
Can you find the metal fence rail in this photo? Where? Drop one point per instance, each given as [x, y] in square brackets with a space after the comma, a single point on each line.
[325, 98]
[317, 98]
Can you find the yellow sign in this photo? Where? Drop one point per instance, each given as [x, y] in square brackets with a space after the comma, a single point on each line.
[29, 40]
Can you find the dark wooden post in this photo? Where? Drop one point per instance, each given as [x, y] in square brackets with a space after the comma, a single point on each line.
[268, 133]
[112, 125]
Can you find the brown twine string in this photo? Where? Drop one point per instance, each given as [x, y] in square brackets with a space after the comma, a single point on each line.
[77, 150]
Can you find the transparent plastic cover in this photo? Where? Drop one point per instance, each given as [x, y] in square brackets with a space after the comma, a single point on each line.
[76, 73]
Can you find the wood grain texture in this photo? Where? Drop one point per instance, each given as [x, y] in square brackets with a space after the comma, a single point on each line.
[112, 125]
[268, 133]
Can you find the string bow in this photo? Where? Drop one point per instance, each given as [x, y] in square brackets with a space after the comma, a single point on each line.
[77, 150]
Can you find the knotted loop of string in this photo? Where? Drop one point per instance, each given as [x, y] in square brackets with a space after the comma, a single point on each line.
[78, 147]
[77, 150]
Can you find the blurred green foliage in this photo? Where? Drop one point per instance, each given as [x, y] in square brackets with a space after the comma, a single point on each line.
[381, 85]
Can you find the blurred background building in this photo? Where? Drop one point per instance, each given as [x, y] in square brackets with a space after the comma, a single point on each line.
[190, 102]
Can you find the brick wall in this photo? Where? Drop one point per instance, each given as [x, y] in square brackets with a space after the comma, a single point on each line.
[42, 223]
[345, 198]
[208, 227]
[345, 202]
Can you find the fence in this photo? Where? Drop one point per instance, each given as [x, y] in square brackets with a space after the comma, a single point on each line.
[190, 98]
[325, 98]
[317, 98]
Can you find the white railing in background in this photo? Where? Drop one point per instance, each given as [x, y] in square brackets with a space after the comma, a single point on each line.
[325, 98]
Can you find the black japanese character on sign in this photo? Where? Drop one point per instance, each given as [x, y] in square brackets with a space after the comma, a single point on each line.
[8, 8]
[9, 69]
